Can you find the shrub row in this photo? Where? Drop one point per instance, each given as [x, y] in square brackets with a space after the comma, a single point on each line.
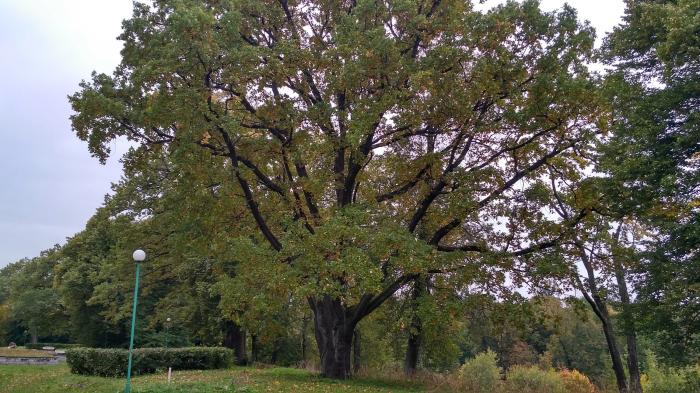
[113, 362]
[55, 345]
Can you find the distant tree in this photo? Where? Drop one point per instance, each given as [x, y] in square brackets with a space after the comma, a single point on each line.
[38, 310]
[575, 342]
[79, 274]
[30, 299]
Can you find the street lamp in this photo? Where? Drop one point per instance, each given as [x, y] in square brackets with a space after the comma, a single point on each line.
[167, 324]
[139, 256]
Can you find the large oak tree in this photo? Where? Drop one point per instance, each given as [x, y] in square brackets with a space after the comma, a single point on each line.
[371, 142]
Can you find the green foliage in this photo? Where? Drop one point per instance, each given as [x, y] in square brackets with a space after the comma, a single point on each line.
[577, 342]
[38, 310]
[480, 374]
[172, 338]
[28, 300]
[652, 161]
[522, 379]
[113, 362]
[342, 162]
[286, 152]
[658, 379]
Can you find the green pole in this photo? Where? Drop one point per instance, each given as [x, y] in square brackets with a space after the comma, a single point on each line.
[127, 388]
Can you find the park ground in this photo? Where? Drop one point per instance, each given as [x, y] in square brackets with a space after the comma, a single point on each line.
[22, 352]
[58, 378]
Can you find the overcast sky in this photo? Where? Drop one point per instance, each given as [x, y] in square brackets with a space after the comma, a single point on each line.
[49, 184]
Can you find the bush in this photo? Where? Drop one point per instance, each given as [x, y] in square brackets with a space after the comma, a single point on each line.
[113, 362]
[670, 380]
[576, 382]
[521, 379]
[480, 374]
[55, 345]
[664, 381]
[692, 379]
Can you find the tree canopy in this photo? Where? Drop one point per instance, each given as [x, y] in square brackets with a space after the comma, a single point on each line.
[366, 139]
[411, 178]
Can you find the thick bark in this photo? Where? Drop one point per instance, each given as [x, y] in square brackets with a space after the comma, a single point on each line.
[335, 322]
[630, 331]
[35, 338]
[415, 332]
[356, 352]
[412, 352]
[334, 328]
[235, 339]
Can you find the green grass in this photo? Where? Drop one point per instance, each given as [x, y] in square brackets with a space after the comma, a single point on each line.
[54, 379]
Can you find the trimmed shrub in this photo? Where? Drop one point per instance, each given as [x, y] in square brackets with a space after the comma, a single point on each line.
[55, 345]
[113, 362]
[480, 374]
[522, 379]
[576, 382]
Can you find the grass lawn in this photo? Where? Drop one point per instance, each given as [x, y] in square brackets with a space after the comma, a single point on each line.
[24, 353]
[54, 379]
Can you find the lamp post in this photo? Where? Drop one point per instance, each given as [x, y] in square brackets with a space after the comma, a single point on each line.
[167, 325]
[139, 256]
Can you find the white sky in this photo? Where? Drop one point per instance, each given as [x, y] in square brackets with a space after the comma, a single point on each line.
[49, 184]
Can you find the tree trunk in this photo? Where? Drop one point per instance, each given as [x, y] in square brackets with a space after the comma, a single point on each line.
[235, 339]
[275, 352]
[415, 330]
[412, 352]
[618, 367]
[35, 338]
[334, 330]
[633, 364]
[600, 309]
[356, 352]
[304, 324]
[335, 322]
[630, 331]
[254, 348]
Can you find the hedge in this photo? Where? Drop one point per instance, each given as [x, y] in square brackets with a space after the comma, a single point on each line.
[55, 345]
[113, 362]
